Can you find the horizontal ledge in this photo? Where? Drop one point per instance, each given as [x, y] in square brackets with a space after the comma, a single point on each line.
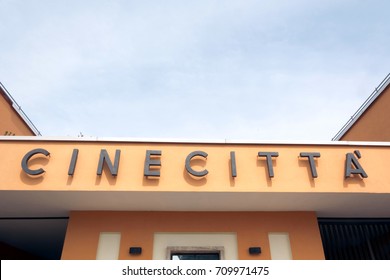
[190, 141]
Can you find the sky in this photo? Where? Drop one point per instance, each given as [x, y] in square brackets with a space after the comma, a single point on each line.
[208, 69]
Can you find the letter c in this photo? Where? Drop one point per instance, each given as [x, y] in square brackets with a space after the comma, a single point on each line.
[188, 164]
[27, 157]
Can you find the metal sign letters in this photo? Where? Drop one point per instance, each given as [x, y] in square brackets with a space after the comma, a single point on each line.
[153, 163]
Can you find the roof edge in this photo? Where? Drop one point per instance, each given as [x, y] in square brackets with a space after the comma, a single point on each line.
[19, 110]
[190, 141]
[366, 104]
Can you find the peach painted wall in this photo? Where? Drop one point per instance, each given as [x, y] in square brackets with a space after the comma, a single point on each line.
[374, 124]
[138, 228]
[292, 173]
[10, 120]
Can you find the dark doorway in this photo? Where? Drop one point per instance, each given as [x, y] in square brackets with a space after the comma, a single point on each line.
[36, 238]
[355, 239]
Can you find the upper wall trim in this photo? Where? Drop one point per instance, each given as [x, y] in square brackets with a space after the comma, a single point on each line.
[190, 141]
[366, 104]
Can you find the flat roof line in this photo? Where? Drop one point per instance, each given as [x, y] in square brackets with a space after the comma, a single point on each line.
[189, 141]
[373, 96]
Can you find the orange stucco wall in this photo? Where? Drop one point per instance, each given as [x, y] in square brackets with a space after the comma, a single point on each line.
[10, 121]
[374, 124]
[292, 173]
[138, 228]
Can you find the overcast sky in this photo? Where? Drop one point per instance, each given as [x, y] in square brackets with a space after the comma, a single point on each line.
[204, 69]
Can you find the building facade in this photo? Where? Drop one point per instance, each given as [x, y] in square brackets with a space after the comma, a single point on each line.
[84, 198]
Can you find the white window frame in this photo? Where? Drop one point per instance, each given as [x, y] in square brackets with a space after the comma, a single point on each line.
[195, 250]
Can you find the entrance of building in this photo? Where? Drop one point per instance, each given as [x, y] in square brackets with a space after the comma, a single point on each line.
[195, 246]
[355, 239]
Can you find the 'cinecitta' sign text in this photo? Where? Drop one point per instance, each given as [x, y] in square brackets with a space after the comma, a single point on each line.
[153, 163]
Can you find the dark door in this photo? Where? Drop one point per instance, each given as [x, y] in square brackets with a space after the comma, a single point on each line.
[355, 239]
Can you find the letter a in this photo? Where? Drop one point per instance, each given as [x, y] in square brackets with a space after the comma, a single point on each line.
[352, 165]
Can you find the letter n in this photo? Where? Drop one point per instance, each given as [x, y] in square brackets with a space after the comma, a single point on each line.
[105, 158]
